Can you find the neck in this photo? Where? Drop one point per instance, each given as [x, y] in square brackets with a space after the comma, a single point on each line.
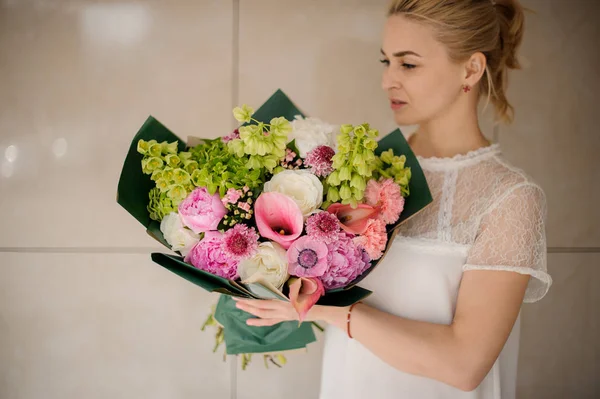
[453, 132]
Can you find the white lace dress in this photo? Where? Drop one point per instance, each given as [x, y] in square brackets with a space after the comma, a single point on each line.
[486, 215]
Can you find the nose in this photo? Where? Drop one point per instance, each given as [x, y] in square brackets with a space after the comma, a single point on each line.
[388, 80]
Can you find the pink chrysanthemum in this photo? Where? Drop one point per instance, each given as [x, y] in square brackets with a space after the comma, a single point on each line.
[240, 242]
[374, 239]
[323, 226]
[346, 262]
[386, 195]
[233, 136]
[320, 160]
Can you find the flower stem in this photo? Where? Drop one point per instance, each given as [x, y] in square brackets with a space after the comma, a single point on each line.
[318, 326]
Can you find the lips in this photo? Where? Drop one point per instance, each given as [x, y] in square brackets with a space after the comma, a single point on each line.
[397, 104]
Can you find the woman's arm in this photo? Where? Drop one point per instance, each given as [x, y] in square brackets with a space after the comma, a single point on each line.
[460, 354]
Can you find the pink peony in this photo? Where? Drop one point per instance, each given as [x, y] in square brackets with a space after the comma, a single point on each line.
[374, 239]
[320, 160]
[208, 255]
[346, 262]
[386, 195]
[307, 257]
[201, 211]
[323, 226]
[240, 242]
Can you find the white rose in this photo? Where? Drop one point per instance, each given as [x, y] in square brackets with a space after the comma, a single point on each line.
[268, 266]
[179, 237]
[302, 186]
[310, 133]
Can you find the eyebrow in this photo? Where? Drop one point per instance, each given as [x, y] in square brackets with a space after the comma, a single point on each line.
[402, 53]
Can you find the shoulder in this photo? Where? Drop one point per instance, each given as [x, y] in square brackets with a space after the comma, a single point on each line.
[512, 186]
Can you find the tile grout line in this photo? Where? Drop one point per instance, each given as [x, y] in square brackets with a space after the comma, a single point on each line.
[149, 250]
[570, 250]
[80, 250]
[235, 95]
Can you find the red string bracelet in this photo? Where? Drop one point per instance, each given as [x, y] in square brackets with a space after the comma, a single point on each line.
[348, 319]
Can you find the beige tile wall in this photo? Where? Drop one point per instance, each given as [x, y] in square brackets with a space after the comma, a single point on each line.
[554, 136]
[560, 350]
[103, 326]
[78, 79]
[323, 54]
[554, 139]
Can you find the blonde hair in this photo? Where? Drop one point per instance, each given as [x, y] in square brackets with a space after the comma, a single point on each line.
[494, 28]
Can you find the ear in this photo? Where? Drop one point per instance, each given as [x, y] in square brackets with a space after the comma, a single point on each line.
[474, 69]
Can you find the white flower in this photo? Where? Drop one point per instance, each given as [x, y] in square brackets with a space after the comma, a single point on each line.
[179, 237]
[268, 266]
[302, 186]
[312, 132]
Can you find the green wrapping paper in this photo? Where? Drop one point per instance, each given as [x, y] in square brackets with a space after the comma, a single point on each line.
[132, 194]
[241, 338]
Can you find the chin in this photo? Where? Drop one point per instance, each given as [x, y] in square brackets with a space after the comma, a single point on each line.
[406, 119]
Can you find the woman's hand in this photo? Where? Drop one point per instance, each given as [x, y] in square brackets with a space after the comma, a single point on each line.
[268, 311]
[274, 311]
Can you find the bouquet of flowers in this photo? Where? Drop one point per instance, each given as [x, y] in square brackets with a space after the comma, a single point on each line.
[284, 207]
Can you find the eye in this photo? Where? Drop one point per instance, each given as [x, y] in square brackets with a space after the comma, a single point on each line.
[408, 66]
[385, 62]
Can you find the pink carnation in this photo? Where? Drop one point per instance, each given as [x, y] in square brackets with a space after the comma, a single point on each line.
[320, 160]
[240, 242]
[374, 239]
[346, 262]
[386, 195]
[208, 255]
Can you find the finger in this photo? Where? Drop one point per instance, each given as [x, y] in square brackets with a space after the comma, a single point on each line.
[258, 312]
[263, 322]
[263, 303]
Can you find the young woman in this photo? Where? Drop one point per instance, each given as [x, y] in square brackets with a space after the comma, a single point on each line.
[443, 321]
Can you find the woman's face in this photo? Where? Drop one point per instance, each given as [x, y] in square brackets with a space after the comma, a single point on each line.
[421, 81]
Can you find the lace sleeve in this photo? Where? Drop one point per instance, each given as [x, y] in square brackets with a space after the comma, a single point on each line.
[512, 237]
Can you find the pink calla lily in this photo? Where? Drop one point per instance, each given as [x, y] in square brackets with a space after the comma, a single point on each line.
[278, 218]
[304, 294]
[353, 220]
